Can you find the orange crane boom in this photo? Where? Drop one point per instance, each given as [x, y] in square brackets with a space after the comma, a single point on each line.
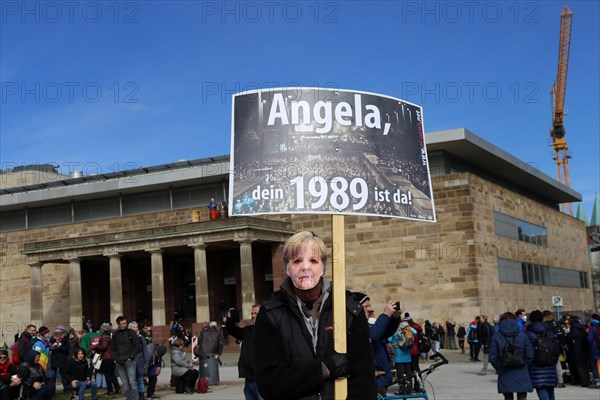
[559, 143]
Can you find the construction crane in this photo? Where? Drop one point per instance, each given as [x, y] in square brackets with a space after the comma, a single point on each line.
[561, 150]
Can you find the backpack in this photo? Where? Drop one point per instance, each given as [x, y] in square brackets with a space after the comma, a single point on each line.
[598, 336]
[406, 339]
[511, 355]
[423, 344]
[472, 336]
[202, 385]
[547, 351]
[15, 353]
[94, 342]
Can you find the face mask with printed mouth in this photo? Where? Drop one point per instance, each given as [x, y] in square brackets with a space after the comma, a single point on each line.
[306, 282]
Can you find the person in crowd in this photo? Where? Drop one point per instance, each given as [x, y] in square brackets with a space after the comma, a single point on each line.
[23, 344]
[402, 358]
[484, 335]
[59, 354]
[79, 375]
[415, 354]
[559, 332]
[543, 378]
[379, 331]
[594, 343]
[141, 360]
[182, 369]
[210, 341]
[40, 343]
[86, 338]
[73, 341]
[107, 368]
[33, 378]
[578, 352]
[511, 379]
[521, 319]
[155, 366]
[431, 335]
[246, 361]
[442, 335]
[10, 383]
[124, 346]
[293, 336]
[461, 334]
[451, 331]
[213, 213]
[146, 332]
[474, 345]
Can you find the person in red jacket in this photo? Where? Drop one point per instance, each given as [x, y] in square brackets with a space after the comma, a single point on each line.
[107, 368]
[414, 352]
[10, 382]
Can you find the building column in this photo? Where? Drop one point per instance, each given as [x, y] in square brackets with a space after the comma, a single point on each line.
[158, 288]
[247, 276]
[37, 305]
[116, 288]
[201, 276]
[75, 306]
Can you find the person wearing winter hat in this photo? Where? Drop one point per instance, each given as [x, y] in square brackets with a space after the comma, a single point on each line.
[294, 356]
[60, 348]
[380, 329]
[40, 343]
[154, 367]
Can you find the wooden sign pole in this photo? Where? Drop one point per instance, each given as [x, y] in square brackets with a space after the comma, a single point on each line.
[339, 297]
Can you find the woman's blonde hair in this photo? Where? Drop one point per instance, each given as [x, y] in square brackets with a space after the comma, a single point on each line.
[293, 246]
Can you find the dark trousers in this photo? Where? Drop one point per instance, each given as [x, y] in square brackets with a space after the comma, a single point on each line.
[580, 372]
[107, 368]
[461, 343]
[510, 396]
[9, 393]
[415, 368]
[474, 348]
[187, 381]
[151, 386]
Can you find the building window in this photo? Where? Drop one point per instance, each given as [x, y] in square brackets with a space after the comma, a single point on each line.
[516, 229]
[511, 271]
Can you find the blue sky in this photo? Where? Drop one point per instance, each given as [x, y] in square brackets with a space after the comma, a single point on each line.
[102, 86]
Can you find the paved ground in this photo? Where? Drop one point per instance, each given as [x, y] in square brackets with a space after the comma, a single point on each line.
[457, 380]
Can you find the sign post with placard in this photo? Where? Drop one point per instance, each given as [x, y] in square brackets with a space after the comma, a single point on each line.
[329, 151]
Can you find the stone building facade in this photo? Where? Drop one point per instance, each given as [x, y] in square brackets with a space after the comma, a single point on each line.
[142, 241]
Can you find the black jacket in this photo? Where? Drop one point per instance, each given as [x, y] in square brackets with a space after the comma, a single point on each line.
[76, 370]
[578, 349]
[246, 361]
[125, 345]
[287, 366]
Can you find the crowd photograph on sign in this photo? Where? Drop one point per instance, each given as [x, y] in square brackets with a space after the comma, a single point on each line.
[368, 158]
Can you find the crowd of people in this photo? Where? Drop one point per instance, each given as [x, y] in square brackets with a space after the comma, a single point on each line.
[40, 363]
[287, 349]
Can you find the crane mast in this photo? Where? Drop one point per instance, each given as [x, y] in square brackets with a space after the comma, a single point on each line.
[559, 143]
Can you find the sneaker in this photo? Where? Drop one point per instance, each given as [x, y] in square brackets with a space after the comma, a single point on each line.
[595, 385]
[562, 385]
[482, 372]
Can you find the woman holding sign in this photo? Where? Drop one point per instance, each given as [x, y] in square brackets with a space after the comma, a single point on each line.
[294, 355]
